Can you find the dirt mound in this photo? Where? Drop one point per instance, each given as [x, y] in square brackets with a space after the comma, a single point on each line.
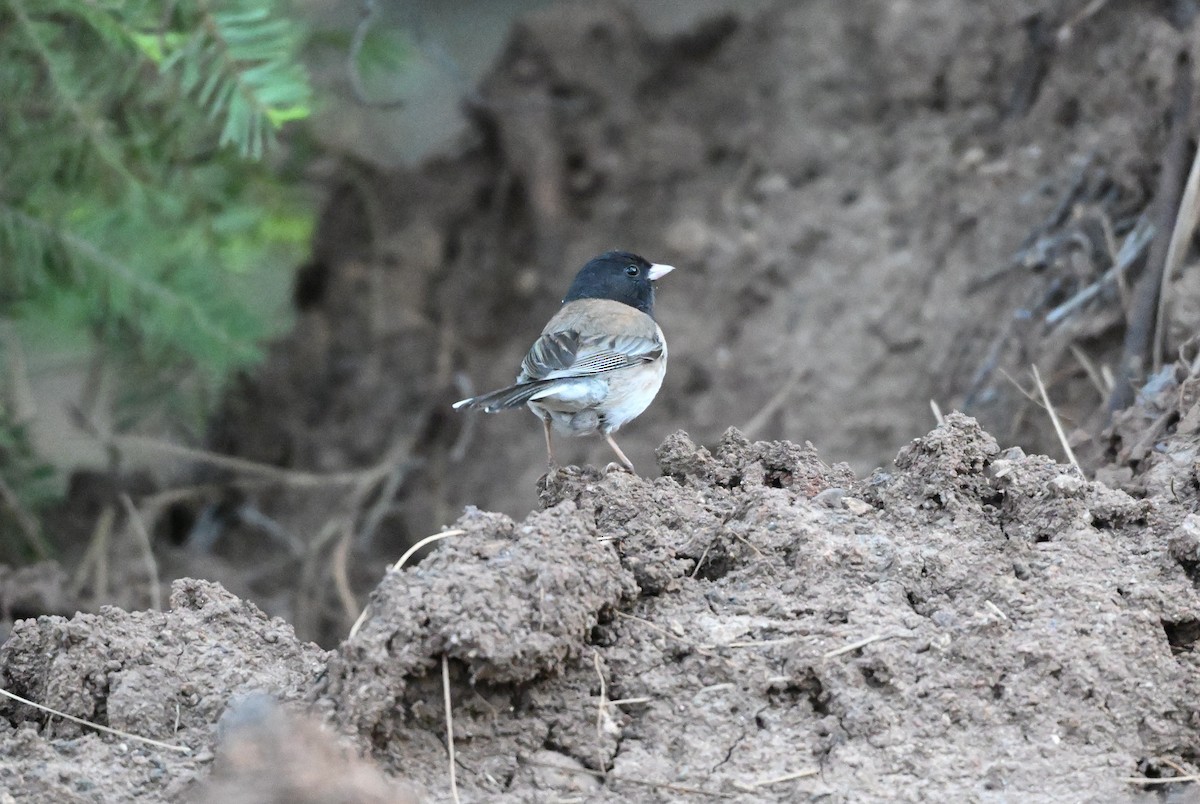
[974, 623]
[551, 575]
[161, 675]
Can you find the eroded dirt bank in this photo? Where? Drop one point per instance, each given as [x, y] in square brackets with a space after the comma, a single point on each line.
[972, 624]
[871, 204]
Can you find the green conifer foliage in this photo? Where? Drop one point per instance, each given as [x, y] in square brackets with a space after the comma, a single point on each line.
[135, 202]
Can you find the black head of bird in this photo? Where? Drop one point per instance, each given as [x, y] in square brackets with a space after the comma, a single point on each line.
[618, 276]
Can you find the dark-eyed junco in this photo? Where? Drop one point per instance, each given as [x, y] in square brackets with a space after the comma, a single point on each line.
[600, 361]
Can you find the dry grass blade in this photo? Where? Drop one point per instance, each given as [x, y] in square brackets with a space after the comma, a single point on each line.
[1165, 780]
[700, 561]
[937, 412]
[1170, 763]
[1093, 373]
[183, 749]
[1132, 248]
[1186, 220]
[601, 763]
[746, 542]
[674, 788]
[341, 570]
[400, 562]
[1058, 428]
[862, 643]
[362, 617]
[97, 546]
[787, 777]
[1067, 29]
[701, 649]
[449, 727]
[764, 643]
[16, 393]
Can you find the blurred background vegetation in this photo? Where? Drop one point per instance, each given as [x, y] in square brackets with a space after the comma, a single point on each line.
[149, 219]
[162, 163]
[159, 181]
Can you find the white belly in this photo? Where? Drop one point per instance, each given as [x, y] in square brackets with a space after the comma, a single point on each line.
[601, 404]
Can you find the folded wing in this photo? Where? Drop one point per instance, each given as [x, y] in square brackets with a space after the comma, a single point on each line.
[560, 363]
[567, 354]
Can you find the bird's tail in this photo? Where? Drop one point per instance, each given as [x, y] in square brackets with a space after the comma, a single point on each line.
[511, 397]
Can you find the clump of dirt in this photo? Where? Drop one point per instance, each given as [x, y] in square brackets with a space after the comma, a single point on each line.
[753, 623]
[1154, 444]
[553, 577]
[161, 675]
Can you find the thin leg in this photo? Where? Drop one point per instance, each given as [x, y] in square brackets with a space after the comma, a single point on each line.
[628, 464]
[550, 462]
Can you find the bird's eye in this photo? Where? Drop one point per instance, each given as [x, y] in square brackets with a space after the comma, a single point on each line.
[632, 270]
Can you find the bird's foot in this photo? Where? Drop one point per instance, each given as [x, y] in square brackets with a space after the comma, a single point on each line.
[619, 467]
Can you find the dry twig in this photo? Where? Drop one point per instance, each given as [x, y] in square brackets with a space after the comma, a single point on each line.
[290, 477]
[95, 558]
[787, 777]
[1186, 220]
[1132, 248]
[1089, 368]
[26, 521]
[760, 419]
[1139, 333]
[138, 526]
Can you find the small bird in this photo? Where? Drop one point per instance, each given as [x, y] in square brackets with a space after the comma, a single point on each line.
[600, 361]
